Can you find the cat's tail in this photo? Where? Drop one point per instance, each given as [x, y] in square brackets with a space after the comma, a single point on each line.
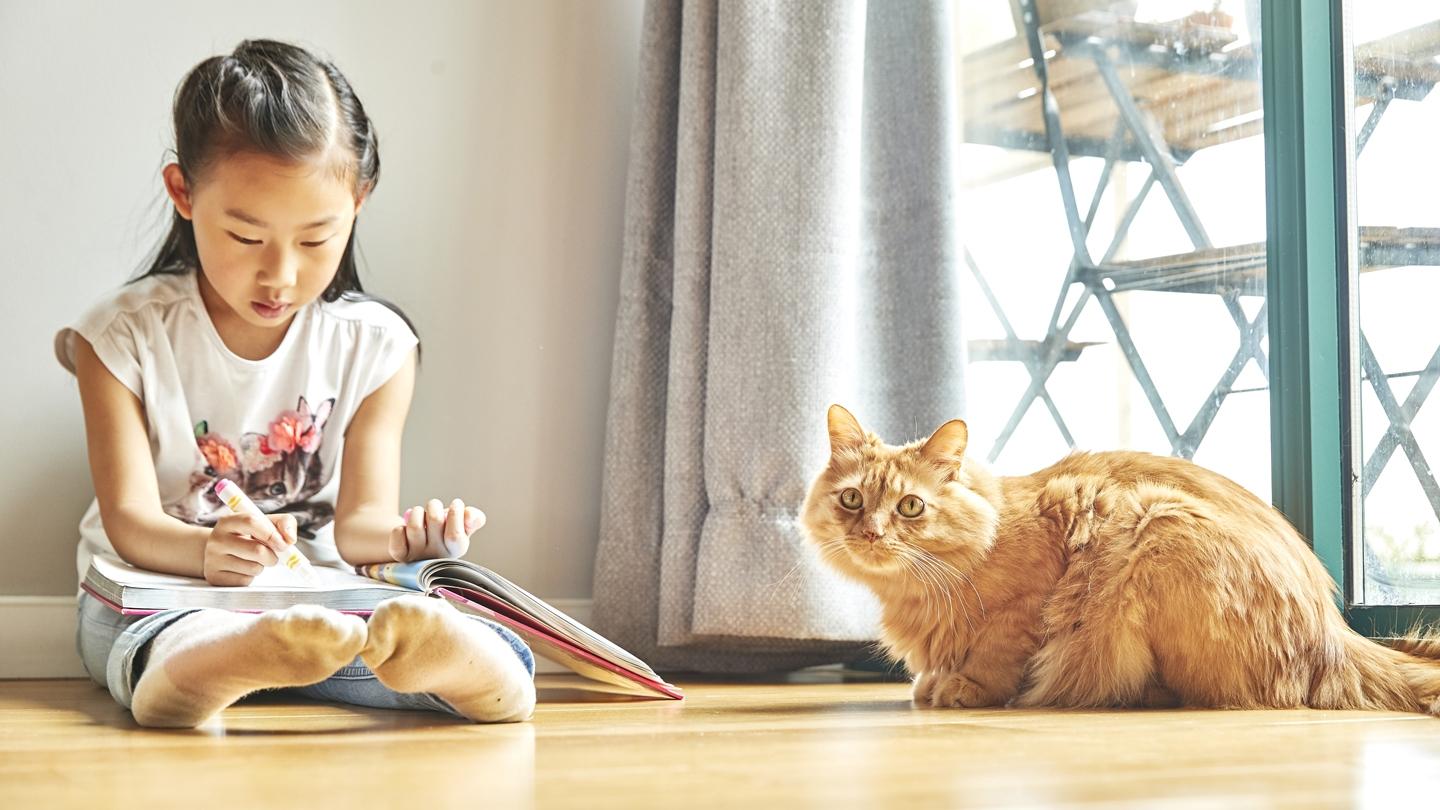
[1421, 641]
[1367, 675]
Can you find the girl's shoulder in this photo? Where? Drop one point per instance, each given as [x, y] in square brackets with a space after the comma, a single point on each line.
[364, 312]
[367, 329]
[128, 308]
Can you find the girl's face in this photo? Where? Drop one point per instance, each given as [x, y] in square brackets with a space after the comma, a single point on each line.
[270, 234]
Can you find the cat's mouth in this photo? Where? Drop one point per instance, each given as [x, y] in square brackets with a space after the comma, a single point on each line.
[871, 555]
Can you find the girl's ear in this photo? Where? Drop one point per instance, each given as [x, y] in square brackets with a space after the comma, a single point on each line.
[845, 430]
[947, 444]
[360, 199]
[178, 190]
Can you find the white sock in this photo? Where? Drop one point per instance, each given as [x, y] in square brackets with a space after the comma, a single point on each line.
[422, 644]
[210, 659]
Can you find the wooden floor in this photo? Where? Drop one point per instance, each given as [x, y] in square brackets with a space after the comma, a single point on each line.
[816, 742]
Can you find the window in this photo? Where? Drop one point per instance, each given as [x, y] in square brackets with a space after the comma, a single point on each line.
[1394, 46]
[1149, 196]
[1115, 253]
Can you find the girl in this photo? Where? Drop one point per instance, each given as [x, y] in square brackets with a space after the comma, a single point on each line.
[248, 351]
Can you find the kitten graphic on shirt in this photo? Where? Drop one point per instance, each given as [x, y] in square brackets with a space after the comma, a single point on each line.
[280, 470]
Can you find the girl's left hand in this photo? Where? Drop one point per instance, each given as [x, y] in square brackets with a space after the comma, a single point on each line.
[434, 531]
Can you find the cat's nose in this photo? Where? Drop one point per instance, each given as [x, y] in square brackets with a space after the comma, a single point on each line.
[871, 533]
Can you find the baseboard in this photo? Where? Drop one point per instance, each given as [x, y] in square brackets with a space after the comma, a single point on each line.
[40, 636]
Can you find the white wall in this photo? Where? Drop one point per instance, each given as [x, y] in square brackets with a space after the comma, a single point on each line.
[496, 226]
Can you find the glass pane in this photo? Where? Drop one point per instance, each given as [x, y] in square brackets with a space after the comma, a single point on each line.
[1397, 118]
[1152, 337]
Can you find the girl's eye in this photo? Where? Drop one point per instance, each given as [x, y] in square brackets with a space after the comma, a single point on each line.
[850, 499]
[910, 506]
[242, 240]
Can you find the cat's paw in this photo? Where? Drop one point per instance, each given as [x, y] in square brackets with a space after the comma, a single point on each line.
[944, 689]
[923, 686]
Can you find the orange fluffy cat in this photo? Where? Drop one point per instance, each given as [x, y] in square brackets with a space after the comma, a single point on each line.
[1107, 579]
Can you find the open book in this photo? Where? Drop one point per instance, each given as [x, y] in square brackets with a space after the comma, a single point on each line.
[471, 588]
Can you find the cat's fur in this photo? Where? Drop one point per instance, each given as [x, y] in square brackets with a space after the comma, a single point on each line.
[1106, 579]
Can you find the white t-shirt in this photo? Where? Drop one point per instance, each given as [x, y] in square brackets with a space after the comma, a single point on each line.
[275, 426]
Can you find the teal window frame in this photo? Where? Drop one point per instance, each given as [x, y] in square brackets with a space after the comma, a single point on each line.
[1308, 97]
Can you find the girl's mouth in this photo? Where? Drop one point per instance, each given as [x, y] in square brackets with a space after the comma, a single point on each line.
[270, 311]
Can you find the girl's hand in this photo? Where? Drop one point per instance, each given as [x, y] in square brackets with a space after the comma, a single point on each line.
[433, 531]
[241, 546]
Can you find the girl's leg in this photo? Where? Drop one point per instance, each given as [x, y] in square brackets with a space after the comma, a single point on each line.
[114, 646]
[420, 644]
[355, 685]
[207, 660]
[96, 629]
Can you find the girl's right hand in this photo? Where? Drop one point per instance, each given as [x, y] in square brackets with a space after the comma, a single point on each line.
[241, 546]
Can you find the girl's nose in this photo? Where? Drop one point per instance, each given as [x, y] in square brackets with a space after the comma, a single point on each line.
[280, 271]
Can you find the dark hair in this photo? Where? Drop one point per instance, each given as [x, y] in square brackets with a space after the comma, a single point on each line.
[275, 99]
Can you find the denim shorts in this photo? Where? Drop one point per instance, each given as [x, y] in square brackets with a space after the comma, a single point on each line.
[114, 648]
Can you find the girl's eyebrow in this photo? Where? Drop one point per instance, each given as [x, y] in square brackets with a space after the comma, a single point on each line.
[244, 217]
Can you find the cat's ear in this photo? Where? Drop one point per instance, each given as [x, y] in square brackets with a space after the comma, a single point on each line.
[322, 413]
[845, 430]
[947, 444]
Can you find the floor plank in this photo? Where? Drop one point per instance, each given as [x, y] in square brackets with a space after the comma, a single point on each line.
[819, 740]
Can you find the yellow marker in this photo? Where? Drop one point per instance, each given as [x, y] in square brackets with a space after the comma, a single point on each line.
[233, 497]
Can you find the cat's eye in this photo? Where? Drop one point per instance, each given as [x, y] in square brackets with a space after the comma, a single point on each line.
[850, 498]
[277, 489]
[910, 506]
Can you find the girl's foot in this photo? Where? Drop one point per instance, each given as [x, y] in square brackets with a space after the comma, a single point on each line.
[422, 644]
[210, 659]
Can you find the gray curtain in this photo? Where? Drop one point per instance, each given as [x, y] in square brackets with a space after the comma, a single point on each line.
[789, 243]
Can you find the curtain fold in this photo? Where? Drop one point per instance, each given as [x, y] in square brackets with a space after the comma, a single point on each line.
[790, 242]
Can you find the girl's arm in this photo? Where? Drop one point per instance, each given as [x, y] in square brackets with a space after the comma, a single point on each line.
[368, 506]
[231, 553]
[367, 526]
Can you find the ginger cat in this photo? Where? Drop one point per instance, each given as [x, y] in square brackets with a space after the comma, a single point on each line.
[1106, 579]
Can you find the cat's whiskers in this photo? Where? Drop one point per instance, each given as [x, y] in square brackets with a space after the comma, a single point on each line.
[954, 573]
[952, 598]
[827, 549]
[920, 576]
[949, 574]
[929, 577]
[786, 577]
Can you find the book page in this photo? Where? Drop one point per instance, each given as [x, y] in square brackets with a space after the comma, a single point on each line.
[274, 578]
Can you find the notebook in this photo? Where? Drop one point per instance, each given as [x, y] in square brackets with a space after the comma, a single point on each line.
[471, 588]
